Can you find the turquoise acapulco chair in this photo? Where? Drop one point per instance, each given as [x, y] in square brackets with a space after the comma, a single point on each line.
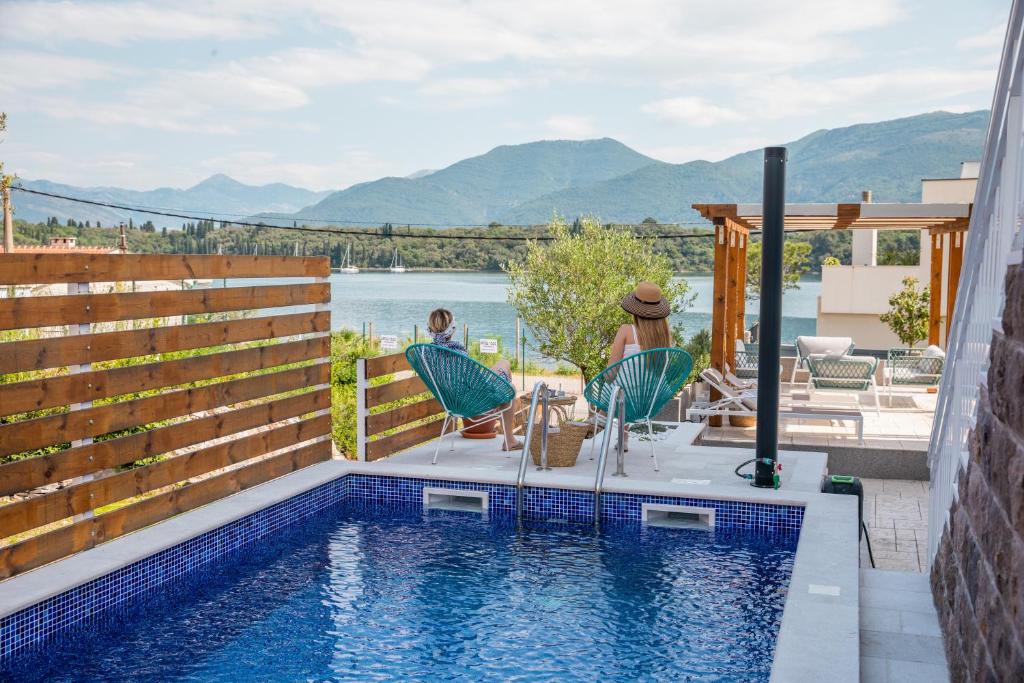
[648, 379]
[462, 386]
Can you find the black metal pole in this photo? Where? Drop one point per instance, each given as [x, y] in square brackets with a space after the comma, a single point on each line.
[773, 209]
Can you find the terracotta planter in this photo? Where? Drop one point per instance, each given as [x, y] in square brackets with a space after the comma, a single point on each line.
[743, 420]
[486, 429]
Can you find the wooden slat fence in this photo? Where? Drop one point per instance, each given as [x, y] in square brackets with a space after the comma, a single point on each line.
[119, 410]
[394, 409]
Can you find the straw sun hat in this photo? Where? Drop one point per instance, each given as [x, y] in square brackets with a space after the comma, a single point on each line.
[646, 301]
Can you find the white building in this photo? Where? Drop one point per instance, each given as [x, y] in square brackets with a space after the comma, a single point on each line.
[854, 296]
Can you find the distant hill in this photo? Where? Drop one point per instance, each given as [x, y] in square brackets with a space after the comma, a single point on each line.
[525, 184]
[889, 158]
[218, 192]
[480, 189]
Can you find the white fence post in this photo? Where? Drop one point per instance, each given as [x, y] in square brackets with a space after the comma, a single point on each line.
[74, 330]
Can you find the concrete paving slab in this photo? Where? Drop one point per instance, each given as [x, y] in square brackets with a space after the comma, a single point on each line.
[916, 672]
[902, 647]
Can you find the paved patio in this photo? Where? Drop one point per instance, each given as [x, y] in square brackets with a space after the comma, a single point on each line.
[896, 513]
[900, 640]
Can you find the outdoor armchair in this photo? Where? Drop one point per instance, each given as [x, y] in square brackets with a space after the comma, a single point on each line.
[846, 373]
[746, 361]
[806, 347]
[913, 367]
[463, 387]
[649, 380]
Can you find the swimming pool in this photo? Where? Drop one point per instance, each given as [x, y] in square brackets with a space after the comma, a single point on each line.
[370, 591]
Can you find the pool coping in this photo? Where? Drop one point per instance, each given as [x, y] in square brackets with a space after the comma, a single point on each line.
[820, 624]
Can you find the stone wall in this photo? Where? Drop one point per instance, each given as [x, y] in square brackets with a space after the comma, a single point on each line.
[978, 575]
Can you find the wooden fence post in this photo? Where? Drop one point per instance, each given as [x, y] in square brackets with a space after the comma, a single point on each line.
[325, 307]
[361, 410]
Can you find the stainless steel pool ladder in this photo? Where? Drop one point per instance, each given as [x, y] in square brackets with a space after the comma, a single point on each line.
[540, 395]
[616, 404]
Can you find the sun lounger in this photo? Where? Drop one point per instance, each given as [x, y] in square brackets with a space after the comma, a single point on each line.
[744, 403]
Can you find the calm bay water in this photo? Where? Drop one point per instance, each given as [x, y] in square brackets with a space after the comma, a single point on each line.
[395, 302]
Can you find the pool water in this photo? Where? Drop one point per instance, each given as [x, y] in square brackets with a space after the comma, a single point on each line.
[368, 595]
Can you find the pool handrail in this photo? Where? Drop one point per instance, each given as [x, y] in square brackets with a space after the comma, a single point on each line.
[539, 389]
[616, 402]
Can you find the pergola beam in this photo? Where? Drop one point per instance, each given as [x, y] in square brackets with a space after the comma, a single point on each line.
[734, 222]
[720, 311]
[935, 288]
[956, 260]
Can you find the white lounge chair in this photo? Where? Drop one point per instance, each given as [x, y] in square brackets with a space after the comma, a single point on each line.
[744, 403]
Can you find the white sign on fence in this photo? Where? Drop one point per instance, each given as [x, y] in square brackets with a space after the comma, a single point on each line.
[488, 346]
[388, 342]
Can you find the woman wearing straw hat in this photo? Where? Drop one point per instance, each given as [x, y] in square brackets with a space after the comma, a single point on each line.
[649, 329]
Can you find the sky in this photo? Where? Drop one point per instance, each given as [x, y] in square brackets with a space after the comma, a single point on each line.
[327, 94]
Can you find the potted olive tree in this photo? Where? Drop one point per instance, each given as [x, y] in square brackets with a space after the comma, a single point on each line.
[908, 313]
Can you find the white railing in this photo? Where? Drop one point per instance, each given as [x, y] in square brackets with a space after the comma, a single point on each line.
[993, 242]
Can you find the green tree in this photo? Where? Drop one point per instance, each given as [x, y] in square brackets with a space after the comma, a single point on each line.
[699, 348]
[568, 290]
[908, 313]
[795, 262]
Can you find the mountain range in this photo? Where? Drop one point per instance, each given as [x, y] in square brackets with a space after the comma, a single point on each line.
[527, 183]
[218, 193]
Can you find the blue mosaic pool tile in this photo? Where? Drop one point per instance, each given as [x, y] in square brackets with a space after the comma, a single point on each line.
[577, 506]
[113, 594]
[558, 504]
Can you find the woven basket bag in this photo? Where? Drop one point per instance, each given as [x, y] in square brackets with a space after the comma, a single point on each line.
[565, 438]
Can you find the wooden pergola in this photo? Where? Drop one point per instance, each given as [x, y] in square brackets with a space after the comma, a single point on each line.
[734, 223]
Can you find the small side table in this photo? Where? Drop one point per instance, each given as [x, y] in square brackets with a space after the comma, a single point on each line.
[563, 405]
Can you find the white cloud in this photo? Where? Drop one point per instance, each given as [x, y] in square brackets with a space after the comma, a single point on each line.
[709, 151]
[472, 87]
[116, 23]
[257, 167]
[27, 70]
[784, 96]
[568, 126]
[991, 39]
[695, 111]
